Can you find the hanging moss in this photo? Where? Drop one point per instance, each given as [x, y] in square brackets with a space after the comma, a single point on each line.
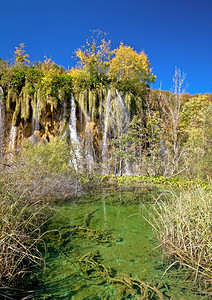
[101, 100]
[128, 98]
[94, 103]
[82, 102]
[52, 102]
[17, 79]
[25, 104]
[16, 112]
[8, 99]
[61, 95]
[34, 105]
[86, 101]
[90, 92]
[112, 91]
[40, 102]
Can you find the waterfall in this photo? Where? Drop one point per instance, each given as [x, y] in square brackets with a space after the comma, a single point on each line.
[37, 126]
[123, 113]
[73, 122]
[12, 138]
[35, 118]
[107, 113]
[123, 119]
[73, 135]
[89, 153]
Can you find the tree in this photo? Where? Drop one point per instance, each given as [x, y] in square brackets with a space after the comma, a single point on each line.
[195, 123]
[20, 55]
[132, 74]
[170, 105]
[131, 68]
[94, 57]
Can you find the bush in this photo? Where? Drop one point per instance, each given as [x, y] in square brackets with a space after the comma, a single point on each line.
[46, 169]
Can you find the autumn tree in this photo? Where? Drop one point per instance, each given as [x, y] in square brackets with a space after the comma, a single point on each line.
[20, 55]
[94, 57]
[132, 74]
[131, 69]
[195, 123]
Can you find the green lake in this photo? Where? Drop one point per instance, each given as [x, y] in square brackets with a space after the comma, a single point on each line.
[100, 246]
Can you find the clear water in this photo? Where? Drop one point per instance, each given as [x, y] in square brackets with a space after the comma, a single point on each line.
[131, 250]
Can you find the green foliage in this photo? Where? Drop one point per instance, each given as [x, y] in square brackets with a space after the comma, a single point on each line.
[45, 169]
[159, 179]
[51, 158]
[195, 123]
[33, 78]
[64, 83]
[16, 78]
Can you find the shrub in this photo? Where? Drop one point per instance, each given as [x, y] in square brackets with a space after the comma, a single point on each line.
[46, 169]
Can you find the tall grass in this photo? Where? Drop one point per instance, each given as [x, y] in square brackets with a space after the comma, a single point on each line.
[183, 224]
[21, 219]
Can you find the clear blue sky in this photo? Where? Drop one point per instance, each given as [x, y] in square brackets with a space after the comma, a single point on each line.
[173, 33]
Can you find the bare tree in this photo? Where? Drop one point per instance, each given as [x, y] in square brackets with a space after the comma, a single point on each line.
[171, 106]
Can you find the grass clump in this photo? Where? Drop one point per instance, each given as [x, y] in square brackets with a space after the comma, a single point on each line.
[21, 220]
[183, 224]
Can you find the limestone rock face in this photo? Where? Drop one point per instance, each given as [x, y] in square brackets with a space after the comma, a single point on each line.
[37, 137]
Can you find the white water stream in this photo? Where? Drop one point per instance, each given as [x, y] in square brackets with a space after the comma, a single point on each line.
[12, 139]
[107, 113]
[75, 153]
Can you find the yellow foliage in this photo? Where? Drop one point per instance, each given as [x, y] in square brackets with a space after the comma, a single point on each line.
[50, 70]
[77, 73]
[80, 78]
[128, 64]
[193, 113]
[20, 55]
[95, 57]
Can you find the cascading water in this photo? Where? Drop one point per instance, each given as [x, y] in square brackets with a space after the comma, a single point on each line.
[35, 118]
[123, 110]
[89, 146]
[37, 126]
[12, 138]
[107, 113]
[73, 122]
[73, 134]
[123, 120]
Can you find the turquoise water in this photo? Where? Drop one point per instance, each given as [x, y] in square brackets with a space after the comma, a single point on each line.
[98, 242]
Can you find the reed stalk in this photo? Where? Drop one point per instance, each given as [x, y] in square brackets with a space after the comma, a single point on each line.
[21, 220]
[183, 224]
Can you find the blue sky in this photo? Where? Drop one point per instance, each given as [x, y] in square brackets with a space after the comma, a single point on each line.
[173, 33]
